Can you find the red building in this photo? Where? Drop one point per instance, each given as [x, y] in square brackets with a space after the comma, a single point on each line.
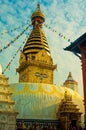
[78, 47]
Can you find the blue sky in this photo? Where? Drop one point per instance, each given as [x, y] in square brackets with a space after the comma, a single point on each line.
[65, 16]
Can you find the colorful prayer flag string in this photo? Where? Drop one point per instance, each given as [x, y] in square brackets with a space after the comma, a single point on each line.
[19, 49]
[14, 29]
[17, 37]
[59, 34]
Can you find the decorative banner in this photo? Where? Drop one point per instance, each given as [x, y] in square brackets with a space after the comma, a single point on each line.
[5, 47]
[20, 48]
[59, 34]
[15, 29]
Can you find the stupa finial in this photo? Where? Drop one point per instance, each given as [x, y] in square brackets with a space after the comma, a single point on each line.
[37, 16]
[70, 75]
[38, 6]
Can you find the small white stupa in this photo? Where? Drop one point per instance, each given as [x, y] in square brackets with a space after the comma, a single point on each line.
[7, 112]
[0, 70]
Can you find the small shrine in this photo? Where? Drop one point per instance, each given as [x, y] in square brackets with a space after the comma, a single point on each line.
[71, 83]
[68, 113]
[7, 112]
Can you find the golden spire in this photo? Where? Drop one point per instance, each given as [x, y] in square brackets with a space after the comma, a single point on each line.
[70, 76]
[67, 97]
[37, 40]
[37, 16]
[38, 7]
[35, 57]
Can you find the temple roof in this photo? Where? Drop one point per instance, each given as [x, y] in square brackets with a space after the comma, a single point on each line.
[74, 47]
[67, 105]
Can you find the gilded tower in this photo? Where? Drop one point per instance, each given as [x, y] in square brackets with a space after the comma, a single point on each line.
[36, 63]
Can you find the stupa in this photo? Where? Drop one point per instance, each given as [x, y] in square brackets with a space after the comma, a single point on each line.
[7, 111]
[37, 98]
[71, 83]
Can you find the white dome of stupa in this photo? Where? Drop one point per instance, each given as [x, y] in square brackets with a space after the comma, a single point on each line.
[41, 101]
